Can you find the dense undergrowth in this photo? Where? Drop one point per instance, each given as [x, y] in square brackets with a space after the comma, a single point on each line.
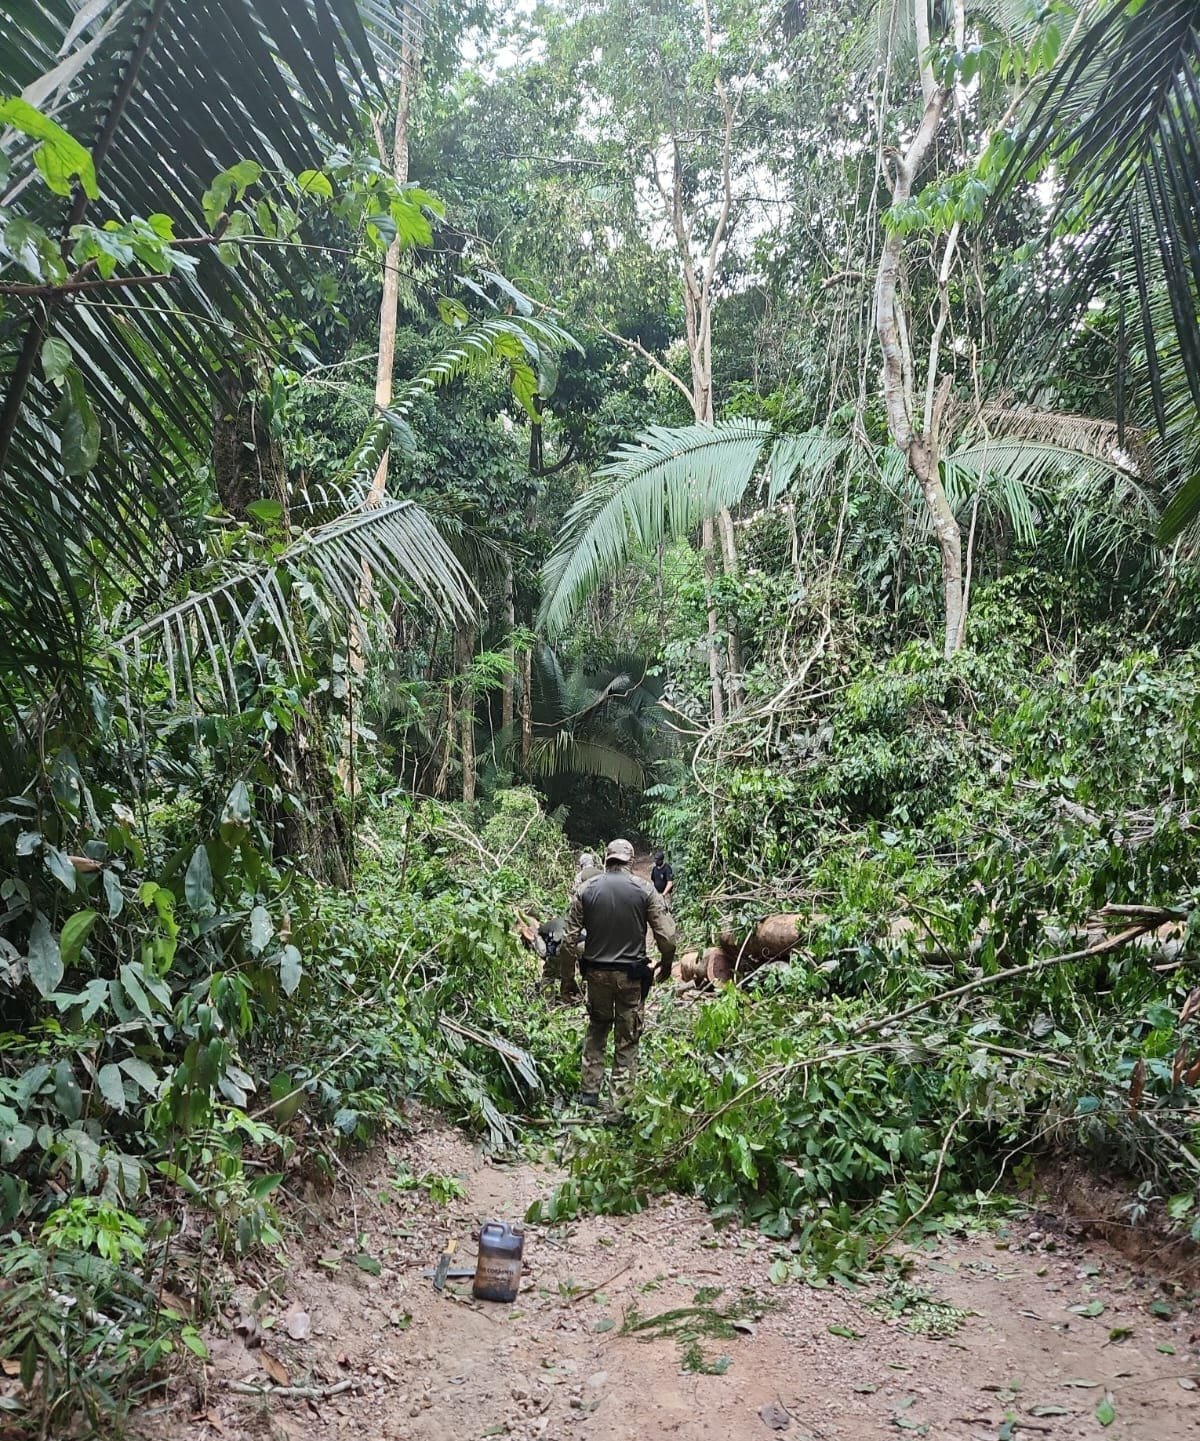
[185, 1042]
[937, 824]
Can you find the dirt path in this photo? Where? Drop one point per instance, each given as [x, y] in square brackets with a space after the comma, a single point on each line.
[427, 1367]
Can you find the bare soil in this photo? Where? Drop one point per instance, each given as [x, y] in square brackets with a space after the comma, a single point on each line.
[417, 1365]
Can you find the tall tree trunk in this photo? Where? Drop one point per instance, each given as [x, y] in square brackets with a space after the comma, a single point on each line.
[390, 302]
[916, 435]
[716, 689]
[526, 709]
[510, 678]
[464, 647]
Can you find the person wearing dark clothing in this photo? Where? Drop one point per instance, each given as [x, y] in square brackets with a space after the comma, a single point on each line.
[610, 915]
[663, 876]
[550, 934]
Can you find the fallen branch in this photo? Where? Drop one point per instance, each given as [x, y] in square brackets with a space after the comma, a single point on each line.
[1030, 968]
[302, 1393]
[880, 1023]
[930, 1194]
[599, 1286]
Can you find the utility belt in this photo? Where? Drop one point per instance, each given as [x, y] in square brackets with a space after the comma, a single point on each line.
[639, 971]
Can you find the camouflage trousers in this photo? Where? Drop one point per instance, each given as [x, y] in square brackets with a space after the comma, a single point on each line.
[614, 1002]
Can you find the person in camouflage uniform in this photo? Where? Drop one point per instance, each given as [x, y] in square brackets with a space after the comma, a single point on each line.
[614, 910]
[568, 985]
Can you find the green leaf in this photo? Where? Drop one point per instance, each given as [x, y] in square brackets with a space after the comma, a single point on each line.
[14, 1140]
[114, 894]
[291, 969]
[265, 511]
[131, 983]
[262, 1186]
[261, 929]
[26, 243]
[60, 867]
[112, 1088]
[243, 175]
[661, 486]
[59, 157]
[141, 1074]
[1105, 1412]
[844, 1331]
[67, 1095]
[605, 1325]
[367, 1263]
[1165, 1348]
[56, 358]
[86, 1155]
[30, 1083]
[315, 182]
[198, 883]
[45, 959]
[235, 817]
[192, 1340]
[79, 433]
[74, 933]
[1088, 1308]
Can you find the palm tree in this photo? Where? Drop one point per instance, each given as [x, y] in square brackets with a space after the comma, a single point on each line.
[109, 380]
[117, 385]
[1003, 459]
[1117, 127]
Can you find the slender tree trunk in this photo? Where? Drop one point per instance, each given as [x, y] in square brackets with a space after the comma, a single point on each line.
[526, 709]
[916, 436]
[464, 647]
[390, 302]
[510, 679]
[716, 689]
[385, 364]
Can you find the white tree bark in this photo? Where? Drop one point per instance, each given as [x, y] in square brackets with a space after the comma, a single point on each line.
[916, 436]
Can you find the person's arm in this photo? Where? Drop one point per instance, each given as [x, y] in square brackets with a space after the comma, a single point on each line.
[662, 924]
[568, 947]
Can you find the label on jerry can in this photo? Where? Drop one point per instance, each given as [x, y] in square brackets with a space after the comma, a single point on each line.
[498, 1269]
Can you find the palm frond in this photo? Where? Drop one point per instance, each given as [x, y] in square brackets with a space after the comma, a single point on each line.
[528, 344]
[662, 486]
[565, 754]
[176, 95]
[1015, 476]
[1119, 122]
[362, 561]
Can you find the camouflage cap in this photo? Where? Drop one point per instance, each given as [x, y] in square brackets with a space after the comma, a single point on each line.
[620, 851]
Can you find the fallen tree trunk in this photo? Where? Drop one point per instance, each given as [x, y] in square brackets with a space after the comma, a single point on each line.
[773, 938]
[706, 968]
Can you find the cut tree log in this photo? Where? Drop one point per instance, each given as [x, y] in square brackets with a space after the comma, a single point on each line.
[706, 968]
[773, 938]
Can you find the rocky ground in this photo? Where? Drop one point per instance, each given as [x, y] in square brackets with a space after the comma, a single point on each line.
[1062, 1338]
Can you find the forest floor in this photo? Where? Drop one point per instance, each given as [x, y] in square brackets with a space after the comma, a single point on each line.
[1064, 1338]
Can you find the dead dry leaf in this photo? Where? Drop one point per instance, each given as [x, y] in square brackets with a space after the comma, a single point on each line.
[174, 1304]
[1137, 1084]
[274, 1368]
[774, 1416]
[298, 1323]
